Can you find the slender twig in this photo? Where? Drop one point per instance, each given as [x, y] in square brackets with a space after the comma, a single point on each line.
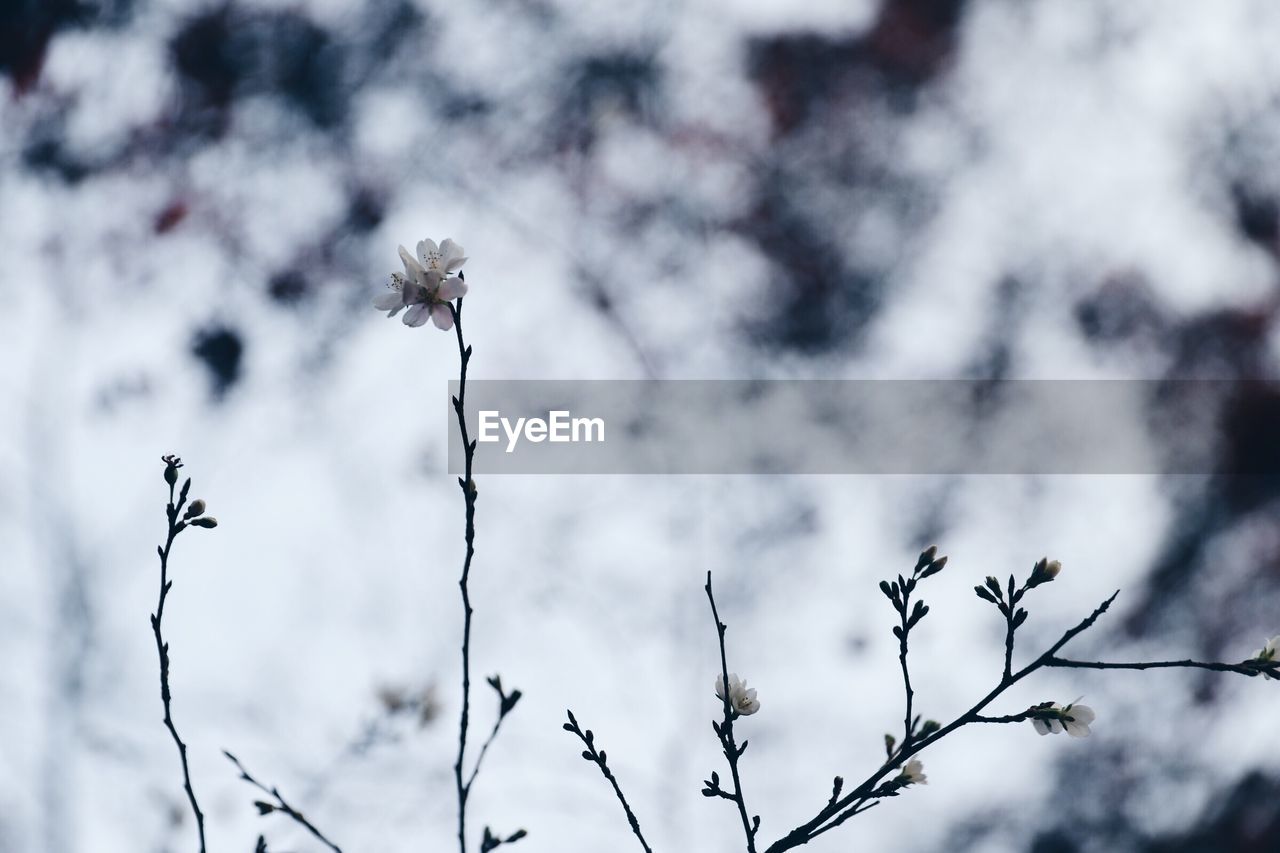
[1246, 668]
[1010, 627]
[506, 704]
[857, 810]
[845, 807]
[724, 730]
[484, 749]
[469, 497]
[462, 781]
[600, 759]
[176, 526]
[907, 725]
[280, 804]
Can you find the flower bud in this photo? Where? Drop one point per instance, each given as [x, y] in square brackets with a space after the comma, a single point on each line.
[197, 507]
[171, 465]
[1043, 572]
[206, 521]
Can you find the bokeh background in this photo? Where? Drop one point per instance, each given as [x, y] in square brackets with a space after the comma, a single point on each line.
[199, 200]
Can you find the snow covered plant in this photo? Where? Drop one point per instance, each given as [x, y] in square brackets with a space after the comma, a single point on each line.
[902, 768]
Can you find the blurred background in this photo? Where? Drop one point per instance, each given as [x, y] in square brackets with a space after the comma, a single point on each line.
[199, 200]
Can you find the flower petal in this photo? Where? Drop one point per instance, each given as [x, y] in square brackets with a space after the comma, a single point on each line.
[426, 248]
[416, 316]
[442, 317]
[391, 300]
[411, 267]
[1082, 714]
[452, 256]
[451, 288]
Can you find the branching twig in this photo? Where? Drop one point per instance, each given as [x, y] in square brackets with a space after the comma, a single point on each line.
[506, 703]
[469, 498]
[599, 758]
[193, 517]
[840, 808]
[724, 731]
[1245, 668]
[280, 805]
[462, 781]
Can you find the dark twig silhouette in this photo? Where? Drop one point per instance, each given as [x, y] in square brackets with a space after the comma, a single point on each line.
[193, 517]
[280, 805]
[463, 782]
[724, 731]
[917, 736]
[600, 759]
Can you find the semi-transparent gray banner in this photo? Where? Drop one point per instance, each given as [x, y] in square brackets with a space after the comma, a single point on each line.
[871, 427]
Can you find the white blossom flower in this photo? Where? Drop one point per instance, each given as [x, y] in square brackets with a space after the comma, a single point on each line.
[1074, 719]
[425, 287]
[913, 773]
[445, 259]
[741, 698]
[1267, 654]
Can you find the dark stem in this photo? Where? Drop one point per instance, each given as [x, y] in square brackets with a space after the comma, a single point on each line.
[1243, 668]
[732, 752]
[907, 728]
[599, 758]
[162, 648]
[1008, 642]
[842, 809]
[493, 733]
[469, 497]
[280, 805]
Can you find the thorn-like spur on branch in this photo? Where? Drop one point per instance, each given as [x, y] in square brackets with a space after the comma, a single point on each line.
[600, 759]
[278, 804]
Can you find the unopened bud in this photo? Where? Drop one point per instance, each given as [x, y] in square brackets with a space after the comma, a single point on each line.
[206, 521]
[1043, 572]
[196, 508]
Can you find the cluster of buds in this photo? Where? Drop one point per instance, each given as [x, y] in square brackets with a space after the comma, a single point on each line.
[491, 841]
[929, 563]
[506, 701]
[1042, 572]
[899, 591]
[194, 515]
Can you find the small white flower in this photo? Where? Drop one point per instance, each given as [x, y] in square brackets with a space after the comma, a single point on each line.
[1267, 654]
[445, 259]
[742, 699]
[913, 773]
[425, 287]
[1074, 719]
